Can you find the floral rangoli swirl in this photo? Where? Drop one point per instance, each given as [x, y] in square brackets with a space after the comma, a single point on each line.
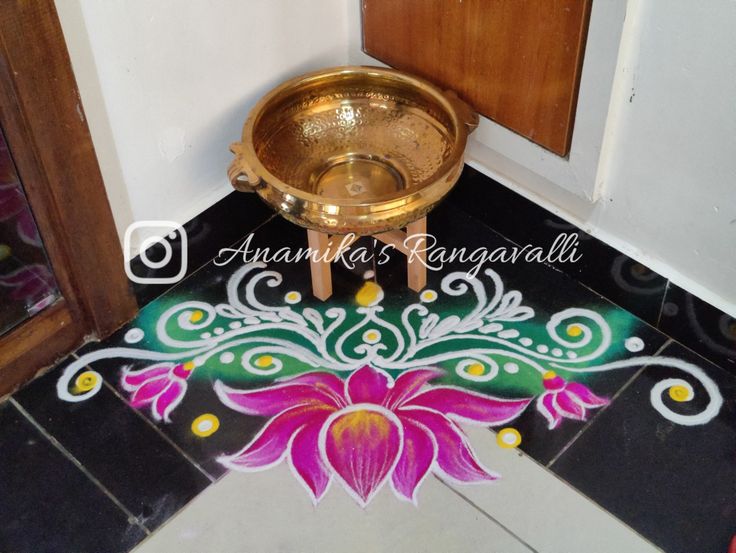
[368, 394]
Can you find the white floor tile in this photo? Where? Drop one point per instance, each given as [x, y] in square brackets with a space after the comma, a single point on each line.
[269, 512]
[543, 510]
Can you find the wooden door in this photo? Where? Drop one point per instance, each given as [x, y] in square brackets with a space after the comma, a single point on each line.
[52, 154]
[516, 62]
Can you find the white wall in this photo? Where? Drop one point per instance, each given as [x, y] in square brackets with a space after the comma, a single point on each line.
[166, 86]
[668, 165]
[666, 183]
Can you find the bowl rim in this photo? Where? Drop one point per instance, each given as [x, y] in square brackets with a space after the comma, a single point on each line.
[446, 170]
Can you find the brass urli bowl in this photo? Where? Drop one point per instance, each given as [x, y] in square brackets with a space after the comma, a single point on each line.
[353, 149]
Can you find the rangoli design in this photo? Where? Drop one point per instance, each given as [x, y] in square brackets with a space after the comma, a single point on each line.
[376, 391]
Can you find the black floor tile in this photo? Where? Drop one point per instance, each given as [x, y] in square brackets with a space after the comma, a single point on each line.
[673, 483]
[218, 227]
[129, 457]
[615, 276]
[700, 326]
[48, 505]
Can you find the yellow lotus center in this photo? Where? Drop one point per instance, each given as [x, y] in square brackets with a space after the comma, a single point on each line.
[188, 366]
[574, 330]
[196, 316]
[368, 293]
[264, 361]
[476, 369]
[86, 381]
[549, 375]
[679, 393]
[360, 427]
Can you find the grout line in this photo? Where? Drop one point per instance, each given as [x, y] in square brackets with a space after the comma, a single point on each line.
[150, 423]
[166, 438]
[661, 305]
[620, 391]
[582, 494]
[488, 516]
[66, 453]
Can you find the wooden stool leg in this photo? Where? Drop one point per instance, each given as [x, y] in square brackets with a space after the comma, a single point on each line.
[321, 269]
[416, 268]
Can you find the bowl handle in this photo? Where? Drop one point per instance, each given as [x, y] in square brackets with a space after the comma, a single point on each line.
[466, 114]
[241, 176]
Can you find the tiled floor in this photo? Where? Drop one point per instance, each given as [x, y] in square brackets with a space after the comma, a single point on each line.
[128, 432]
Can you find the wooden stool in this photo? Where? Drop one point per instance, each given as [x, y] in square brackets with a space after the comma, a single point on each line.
[327, 247]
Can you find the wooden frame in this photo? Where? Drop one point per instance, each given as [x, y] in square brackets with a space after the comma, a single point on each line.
[328, 246]
[46, 131]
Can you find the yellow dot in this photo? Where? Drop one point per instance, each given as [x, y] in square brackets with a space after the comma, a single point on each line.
[5, 251]
[508, 438]
[574, 330]
[292, 296]
[371, 336]
[368, 293]
[679, 393]
[86, 381]
[428, 295]
[476, 369]
[205, 425]
[188, 366]
[264, 361]
[196, 316]
[549, 375]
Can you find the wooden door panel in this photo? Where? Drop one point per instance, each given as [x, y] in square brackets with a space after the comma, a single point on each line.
[517, 62]
[47, 135]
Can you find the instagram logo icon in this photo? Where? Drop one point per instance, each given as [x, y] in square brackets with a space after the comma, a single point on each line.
[159, 256]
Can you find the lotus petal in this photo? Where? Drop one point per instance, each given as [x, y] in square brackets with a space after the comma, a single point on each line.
[165, 403]
[324, 381]
[306, 461]
[362, 447]
[272, 400]
[468, 406]
[568, 407]
[546, 406]
[408, 384]
[269, 446]
[367, 385]
[132, 379]
[454, 455]
[585, 395]
[417, 455]
[146, 393]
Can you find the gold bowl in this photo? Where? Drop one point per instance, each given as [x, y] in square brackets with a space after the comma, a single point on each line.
[353, 149]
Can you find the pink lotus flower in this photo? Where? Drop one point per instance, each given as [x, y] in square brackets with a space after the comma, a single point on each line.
[566, 399]
[162, 386]
[366, 430]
